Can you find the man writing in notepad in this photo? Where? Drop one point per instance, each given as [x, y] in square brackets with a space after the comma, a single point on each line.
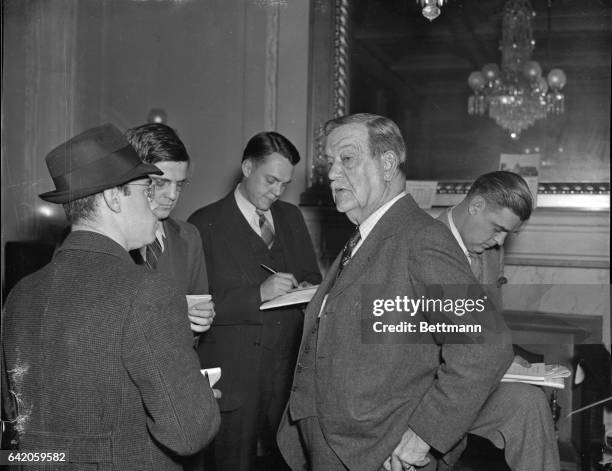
[256, 349]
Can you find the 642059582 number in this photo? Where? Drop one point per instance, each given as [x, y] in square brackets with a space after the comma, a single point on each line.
[23, 457]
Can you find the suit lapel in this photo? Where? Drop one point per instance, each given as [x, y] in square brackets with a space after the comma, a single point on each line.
[281, 229]
[314, 306]
[240, 236]
[392, 222]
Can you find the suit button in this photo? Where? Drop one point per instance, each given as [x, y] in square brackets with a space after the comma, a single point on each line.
[299, 368]
[257, 343]
[306, 349]
[277, 322]
[502, 280]
[293, 388]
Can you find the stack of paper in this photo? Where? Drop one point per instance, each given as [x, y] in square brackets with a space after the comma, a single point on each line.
[538, 373]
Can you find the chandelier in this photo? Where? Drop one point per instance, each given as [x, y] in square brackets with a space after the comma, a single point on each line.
[517, 95]
[430, 8]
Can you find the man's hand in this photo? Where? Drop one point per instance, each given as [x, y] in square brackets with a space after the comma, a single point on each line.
[201, 316]
[521, 361]
[411, 451]
[275, 285]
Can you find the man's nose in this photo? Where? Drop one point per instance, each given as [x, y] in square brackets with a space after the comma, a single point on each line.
[172, 191]
[500, 238]
[277, 190]
[334, 171]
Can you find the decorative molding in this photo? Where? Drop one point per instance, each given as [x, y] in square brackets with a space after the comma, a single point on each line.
[590, 196]
[562, 238]
[582, 328]
[341, 58]
[271, 79]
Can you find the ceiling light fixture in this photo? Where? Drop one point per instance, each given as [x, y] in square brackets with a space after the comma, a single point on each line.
[431, 8]
[517, 95]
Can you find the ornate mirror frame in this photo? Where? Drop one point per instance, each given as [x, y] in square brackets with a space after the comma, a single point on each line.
[329, 96]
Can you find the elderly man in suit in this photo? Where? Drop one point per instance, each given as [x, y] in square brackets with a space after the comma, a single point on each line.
[497, 204]
[177, 248]
[98, 349]
[244, 235]
[362, 405]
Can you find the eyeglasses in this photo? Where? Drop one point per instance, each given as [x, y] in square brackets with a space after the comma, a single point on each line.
[163, 183]
[149, 189]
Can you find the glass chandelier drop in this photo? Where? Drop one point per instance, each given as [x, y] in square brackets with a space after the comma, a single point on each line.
[517, 95]
[431, 8]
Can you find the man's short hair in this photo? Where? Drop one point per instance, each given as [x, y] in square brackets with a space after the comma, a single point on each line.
[383, 134]
[156, 142]
[505, 190]
[265, 143]
[81, 209]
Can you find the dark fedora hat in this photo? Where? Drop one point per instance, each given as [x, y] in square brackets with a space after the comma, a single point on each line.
[93, 161]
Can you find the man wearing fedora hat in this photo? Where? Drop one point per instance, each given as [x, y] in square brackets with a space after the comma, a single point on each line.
[97, 348]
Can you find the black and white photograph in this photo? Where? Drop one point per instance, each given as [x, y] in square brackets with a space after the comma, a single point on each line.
[306, 235]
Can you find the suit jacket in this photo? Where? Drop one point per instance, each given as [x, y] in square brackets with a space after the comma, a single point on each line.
[367, 395]
[101, 358]
[233, 254]
[492, 263]
[183, 258]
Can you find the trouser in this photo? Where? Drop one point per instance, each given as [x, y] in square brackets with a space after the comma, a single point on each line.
[257, 419]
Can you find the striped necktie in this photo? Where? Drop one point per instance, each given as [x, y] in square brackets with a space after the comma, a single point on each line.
[267, 233]
[152, 253]
[347, 253]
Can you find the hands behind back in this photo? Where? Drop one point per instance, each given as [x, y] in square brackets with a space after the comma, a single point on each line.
[410, 452]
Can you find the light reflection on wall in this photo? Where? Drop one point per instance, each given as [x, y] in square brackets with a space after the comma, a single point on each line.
[49, 211]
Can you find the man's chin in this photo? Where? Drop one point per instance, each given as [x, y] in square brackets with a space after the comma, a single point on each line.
[352, 213]
[162, 214]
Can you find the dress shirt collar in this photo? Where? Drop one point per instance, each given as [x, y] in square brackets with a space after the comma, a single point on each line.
[249, 211]
[366, 226]
[455, 231]
[160, 235]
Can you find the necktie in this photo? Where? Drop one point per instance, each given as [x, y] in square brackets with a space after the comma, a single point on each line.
[347, 252]
[476, 266]
[152, 253]
[267, 233]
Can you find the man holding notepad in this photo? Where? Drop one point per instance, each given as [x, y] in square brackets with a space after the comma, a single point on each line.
[176, 251]
[257, 248]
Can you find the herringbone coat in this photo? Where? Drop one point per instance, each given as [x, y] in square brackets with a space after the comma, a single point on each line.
[100, 354]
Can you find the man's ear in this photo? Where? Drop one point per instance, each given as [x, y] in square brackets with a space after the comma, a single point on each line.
[390, 163]
[247, 167]
[477, 205]
[112, 199]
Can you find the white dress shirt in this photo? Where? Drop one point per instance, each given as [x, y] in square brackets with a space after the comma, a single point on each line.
[366, 226]
[249, 211]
